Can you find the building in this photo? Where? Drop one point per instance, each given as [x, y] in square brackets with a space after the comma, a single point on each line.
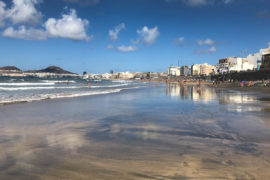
[206, 69]
[223, 65]
[266, 60]
[239, 64]
[256, 59]
[184, 70]
[195, 70]
[126, 75]
[174, 71]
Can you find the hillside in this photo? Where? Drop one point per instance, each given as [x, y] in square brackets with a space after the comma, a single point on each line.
[9, 68]
[52, 69]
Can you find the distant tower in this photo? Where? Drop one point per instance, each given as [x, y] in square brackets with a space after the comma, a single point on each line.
[84, 73]
[111, 71]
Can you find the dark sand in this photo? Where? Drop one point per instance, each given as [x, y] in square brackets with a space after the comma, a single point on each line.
[147, 133]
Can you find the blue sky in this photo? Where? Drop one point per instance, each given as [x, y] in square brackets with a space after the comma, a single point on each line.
[129, 35]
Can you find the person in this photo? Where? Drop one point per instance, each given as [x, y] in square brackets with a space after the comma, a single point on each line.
[242, 83]
[89, 85]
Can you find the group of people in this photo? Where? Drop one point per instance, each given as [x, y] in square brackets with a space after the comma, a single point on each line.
[89, 84]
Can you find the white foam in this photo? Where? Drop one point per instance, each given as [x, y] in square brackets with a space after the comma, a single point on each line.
[57, 96]
[110, 86]
[38, 88]
[27, 84]
[121, 81]
[59, 81]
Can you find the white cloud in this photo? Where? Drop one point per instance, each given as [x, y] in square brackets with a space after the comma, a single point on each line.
[208, 42]
[110, 47]
[113, 33]
[180, 41]
[69, 26]
[24, 11]
[212, 49]
[148, 35]
[25, 34]
[208, 51]
[127, 48]
[2, 13]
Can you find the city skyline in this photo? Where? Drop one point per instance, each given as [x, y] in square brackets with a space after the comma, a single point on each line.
[99, 35]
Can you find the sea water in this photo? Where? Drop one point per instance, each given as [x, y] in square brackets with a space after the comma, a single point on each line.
[13, 90]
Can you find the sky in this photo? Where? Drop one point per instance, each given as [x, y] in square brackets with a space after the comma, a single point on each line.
[129, 35]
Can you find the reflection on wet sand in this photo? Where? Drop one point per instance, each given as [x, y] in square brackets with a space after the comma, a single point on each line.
[189, 134]
[194, 93]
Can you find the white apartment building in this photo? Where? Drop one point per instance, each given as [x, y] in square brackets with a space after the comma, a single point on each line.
[174, 71]
[239, 64]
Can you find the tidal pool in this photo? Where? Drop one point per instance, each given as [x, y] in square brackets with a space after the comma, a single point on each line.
[167, 132]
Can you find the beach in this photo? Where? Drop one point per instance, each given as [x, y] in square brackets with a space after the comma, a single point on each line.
[149, 132]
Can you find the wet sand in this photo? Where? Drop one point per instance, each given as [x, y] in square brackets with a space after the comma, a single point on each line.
[171, 132]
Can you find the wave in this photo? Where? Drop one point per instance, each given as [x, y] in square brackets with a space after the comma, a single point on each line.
[59, 81]
[55, 87]
[110, 86]
[121, 81]
[39, 88]
[61, 95]
[27, 84]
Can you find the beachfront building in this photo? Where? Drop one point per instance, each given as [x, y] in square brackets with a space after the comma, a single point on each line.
[256, 59]
[223, 65]
[266, 61]
[206, 69]
[106, 76]
[174, 71]
[239, 64]
[126, 75]
[195, 70]
[184, 71]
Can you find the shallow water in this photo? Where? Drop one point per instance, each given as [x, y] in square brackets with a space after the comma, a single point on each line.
[162, 132]
[28, 89]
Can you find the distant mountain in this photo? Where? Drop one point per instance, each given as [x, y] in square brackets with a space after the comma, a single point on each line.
[9, 68]
[52, 69]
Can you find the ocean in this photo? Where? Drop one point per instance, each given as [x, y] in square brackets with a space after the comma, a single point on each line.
[15, 90]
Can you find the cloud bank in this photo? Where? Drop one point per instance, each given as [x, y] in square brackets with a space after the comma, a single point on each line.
[68, 26]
